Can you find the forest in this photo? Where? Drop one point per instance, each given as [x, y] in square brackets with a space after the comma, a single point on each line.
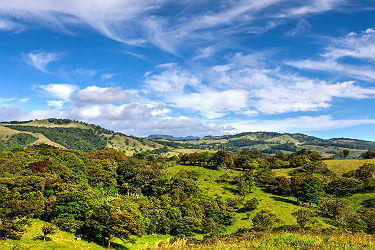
[106, 196]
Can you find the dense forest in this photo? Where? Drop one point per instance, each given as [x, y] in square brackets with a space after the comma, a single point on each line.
[106, 195]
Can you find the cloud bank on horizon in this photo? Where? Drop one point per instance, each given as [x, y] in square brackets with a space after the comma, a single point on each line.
[192, 67]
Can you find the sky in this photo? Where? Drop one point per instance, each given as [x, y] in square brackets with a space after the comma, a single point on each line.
[202, 67]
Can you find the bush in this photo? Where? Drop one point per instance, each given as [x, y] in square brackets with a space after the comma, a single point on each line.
[344, 186]
[368, 155]
[368, 217]
[251, 205]
[47, 230]
[303, 216]
[265, 220]
[279, 185]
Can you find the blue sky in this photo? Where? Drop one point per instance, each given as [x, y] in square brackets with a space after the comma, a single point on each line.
[192, 67]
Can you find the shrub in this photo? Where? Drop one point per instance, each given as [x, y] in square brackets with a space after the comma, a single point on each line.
[265, 220]
[344, 186]
[47, 230]
[368, 217]
[251, 205]
[368, 155]
[303, 216]
[279, 185]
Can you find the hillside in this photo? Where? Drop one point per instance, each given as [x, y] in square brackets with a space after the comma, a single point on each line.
[70, 134]
[85, 137]
[271, 143]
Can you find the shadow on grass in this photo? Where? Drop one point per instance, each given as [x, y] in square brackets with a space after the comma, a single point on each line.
[286, 200]
[40, 237]
[233, 190]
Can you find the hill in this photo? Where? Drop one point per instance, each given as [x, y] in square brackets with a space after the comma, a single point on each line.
[271, 143]
[65, 133]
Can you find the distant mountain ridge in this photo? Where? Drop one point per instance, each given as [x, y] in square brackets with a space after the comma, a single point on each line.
[86, 137]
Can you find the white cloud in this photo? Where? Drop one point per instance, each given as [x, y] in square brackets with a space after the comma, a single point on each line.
[107, 76]
[211, 103]
[247, 85]
[95, 94]
[86, 72]
[366, 73]
[170, 82]
[11, 113]
[299, 124]
[7, 25]
[144, 119]
[361, 45]
[58, 90]
[40, 60]
[55, 104]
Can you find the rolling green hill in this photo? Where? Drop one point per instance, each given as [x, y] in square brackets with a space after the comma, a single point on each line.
[70, 134]
[65, 133]
[271, 143]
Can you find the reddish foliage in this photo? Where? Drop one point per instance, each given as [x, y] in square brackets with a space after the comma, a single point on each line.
[39, 167]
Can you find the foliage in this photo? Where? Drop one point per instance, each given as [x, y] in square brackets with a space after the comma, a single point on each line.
[251, 204]
[85, 140]
[303, 216]
[344, 186]
[265, 220]
[244, 183]
[48, 230]
[368, 154]
[280, 185]
[17, 141]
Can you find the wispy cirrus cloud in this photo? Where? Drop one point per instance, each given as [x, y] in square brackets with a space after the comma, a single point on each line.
[40, 60]
[8, 25]
[140, 22]
[360, 46]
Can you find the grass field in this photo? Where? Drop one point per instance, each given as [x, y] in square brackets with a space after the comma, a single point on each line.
[343, 166]
[60, 240]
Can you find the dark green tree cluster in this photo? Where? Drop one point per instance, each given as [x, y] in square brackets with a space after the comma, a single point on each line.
[17, 141]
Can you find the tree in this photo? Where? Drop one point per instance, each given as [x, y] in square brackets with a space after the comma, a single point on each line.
[222, 159]
[265, 220]
[367, 215]
[306, 188]
[279, 185]
[303, 216]
[344, 186]
[13, 217]
[368, 154]
[365, 171]
[344, 153]
[312, 188]
[47, 230]
[244, 183]
[107, 222]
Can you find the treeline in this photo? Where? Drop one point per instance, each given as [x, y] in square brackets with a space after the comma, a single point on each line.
[249, 159]
[103, 195]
